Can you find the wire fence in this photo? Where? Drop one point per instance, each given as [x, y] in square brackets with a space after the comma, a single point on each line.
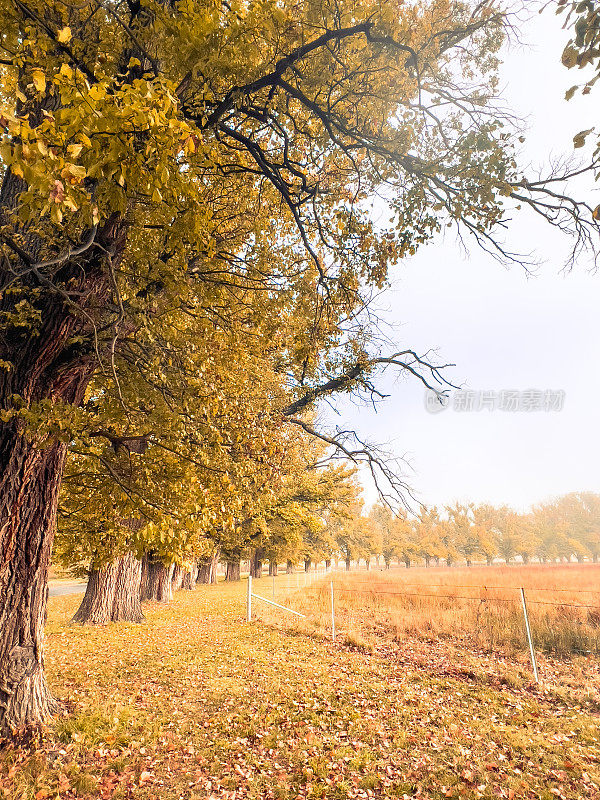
[333, 591]
[477, 599]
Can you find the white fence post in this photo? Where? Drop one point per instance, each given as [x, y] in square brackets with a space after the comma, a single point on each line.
[529, 639]
[249, 600]
[332, 616]
[273, 587]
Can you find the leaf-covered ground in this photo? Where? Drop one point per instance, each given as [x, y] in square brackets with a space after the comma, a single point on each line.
[197, 703]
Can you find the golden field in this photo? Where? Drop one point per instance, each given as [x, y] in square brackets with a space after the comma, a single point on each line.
[479, 605]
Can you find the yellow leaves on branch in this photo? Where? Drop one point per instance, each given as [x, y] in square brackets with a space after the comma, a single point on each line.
[39, 80]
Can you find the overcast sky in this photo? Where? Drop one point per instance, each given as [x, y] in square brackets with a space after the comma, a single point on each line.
[503, 330]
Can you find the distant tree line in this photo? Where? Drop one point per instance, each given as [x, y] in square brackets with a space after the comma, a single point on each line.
[563, 529]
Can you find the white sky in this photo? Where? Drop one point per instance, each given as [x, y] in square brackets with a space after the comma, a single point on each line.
[503, 330]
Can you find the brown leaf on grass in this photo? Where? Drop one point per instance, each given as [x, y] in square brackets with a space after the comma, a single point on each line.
[145, 777]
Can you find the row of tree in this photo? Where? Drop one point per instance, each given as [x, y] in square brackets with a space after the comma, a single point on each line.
[564, 529]
[187, 255]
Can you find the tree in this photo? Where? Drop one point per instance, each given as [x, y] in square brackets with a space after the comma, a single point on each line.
[218, 160]
[581, 51]
[428, 540]
[508, 533]
[180, 506]
[485, 519]
[382, 520]
[406, 532]
[466, 539]
[351, 531]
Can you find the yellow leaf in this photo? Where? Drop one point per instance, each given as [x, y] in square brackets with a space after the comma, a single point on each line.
[73, 173]
[56, 215]
[74, 149]
[39, 80]
[64, 35]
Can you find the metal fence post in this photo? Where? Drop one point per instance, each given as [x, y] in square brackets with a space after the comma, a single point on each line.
[249, 600]
[332, 615]
[529, 639]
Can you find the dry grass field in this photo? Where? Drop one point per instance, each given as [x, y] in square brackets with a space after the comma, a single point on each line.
[478, 606]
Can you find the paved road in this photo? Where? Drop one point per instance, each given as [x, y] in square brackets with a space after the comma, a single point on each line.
[59, 587]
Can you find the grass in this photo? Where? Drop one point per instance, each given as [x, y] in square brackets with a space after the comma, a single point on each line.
[197, 703]
[477, 605]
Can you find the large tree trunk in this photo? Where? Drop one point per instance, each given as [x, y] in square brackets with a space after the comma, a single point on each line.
[29, 484]
[52, 360]
[307, 563]
[43, 368]
[348, 562]
[156, 581]
[232, 570]
[177, 577]
[289, 567]
[256, 563]
[189, 579]
[112, 593]
[273, 566]
[207, 568]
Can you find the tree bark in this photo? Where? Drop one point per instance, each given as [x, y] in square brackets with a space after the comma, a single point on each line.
[273, 567]
[348, 564]
[177, 577]
[289, 567]
[327, 563]
[29, 485]
[232, 570]
[207, 568]
[112, 593]
[189, 579]
[156, 581]
[256, 563]
[307, 563]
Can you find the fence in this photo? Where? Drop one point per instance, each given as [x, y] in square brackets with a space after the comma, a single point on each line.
[368, 588]
[301, 579]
